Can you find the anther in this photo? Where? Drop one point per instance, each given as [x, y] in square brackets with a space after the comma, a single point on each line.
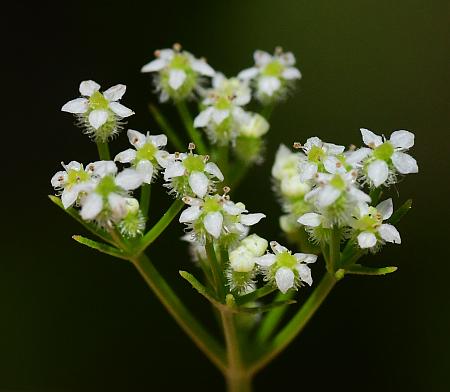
[186, 199]
[157, 53]
[176, 47]
[297, 145]
[352, 147]
[205, 158]
[226, 189]
[191, 147]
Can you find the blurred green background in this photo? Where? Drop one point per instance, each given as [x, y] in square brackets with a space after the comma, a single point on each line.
[74, 320]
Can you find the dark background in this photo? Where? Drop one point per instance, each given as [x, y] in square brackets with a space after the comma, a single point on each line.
[74, 320]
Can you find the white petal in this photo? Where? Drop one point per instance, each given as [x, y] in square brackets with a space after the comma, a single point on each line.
[118, 205]
[213, 223]
[213, 169]
[248, 73]
[203, 118]
[175, 169]
[158, 140]
[73, 165]
[190, 214]
[378, 172]
[333, 149]
[69, 197]
[145, 168]
[97, 118]
[114, 93]
[155, 65]
[358, 195]
[291, 73]
[266, 260]
[402, 139]
[307, 171]
[231, 208]
[102, 168]
[389, 233]
[284, 278]
[261, 57]
[199, 183]
[76, 106]
[92, 206]
[328, 195]
[366, 240]
[333, 165]
[163, 158]
[310, 219]
[219, 115]
[126, 156]
[304, 273]
[385, 208]
[136, 138]
[305, 258]
[370, 139]
[357, 156]
[269, 85]
[251, 219]
[312, 141]
[176, 78]
[129, 179]
[88, 87]
[59, 179]
[404, 163]
[277, 248]
[120, 110]
[202, 67]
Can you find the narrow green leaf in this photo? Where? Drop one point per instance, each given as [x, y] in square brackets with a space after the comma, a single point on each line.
[262, 309]
[254, 295]
[358, 269]
[400, 212]
[103, 248]
[202, 290]
[89, 226]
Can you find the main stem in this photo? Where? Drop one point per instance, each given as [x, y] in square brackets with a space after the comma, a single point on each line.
[189, 125]
[103, 151]
[238, 378]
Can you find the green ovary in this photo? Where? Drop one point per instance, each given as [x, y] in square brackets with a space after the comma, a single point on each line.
[211, 205]
[287, 260]
[76, 176]
[194, 163]
[98, 101]
[275, 68]
[338, 183]
[146, 152]
[315, 154]
[106, 186]
[384, 151]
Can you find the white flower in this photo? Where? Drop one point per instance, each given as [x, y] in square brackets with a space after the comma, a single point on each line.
[285, 269]
[147, 156]
[132, 224]
[188, 174]
[388, 157]
[369, 224]
[99, 113]
[107, 197]
[286, 163]
[66, 181]
[272, 75]
[317, 155]
[217, 217]
[178, 73]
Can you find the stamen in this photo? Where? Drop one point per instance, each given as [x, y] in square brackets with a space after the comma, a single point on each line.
[191, 147]
[297, 145]
[177, 47]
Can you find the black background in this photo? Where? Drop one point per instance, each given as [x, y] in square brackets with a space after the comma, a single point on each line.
[75, 320]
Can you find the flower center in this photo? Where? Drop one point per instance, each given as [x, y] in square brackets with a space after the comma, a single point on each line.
[194, 163]
[287, 260]
[106, 186]
[384, 151]
[179, 61]
[315, 154]
[76, 176]
[146, 152]
[223, 103]
[274, 68]
[98, 101]
[211, 204]
[338, 182]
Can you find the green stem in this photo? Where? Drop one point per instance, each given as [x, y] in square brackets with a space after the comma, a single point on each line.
[216, 269]
[297, 323]
[272, 319]
[166, 128]
[103, 151]
[161, 225]
[267, 111]
[257, 294]
[238, 377]
[193, 133]
[145, 199]
[204, 341]
[335, 249]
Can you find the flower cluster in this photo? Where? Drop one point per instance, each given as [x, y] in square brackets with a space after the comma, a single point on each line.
[323, 186]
